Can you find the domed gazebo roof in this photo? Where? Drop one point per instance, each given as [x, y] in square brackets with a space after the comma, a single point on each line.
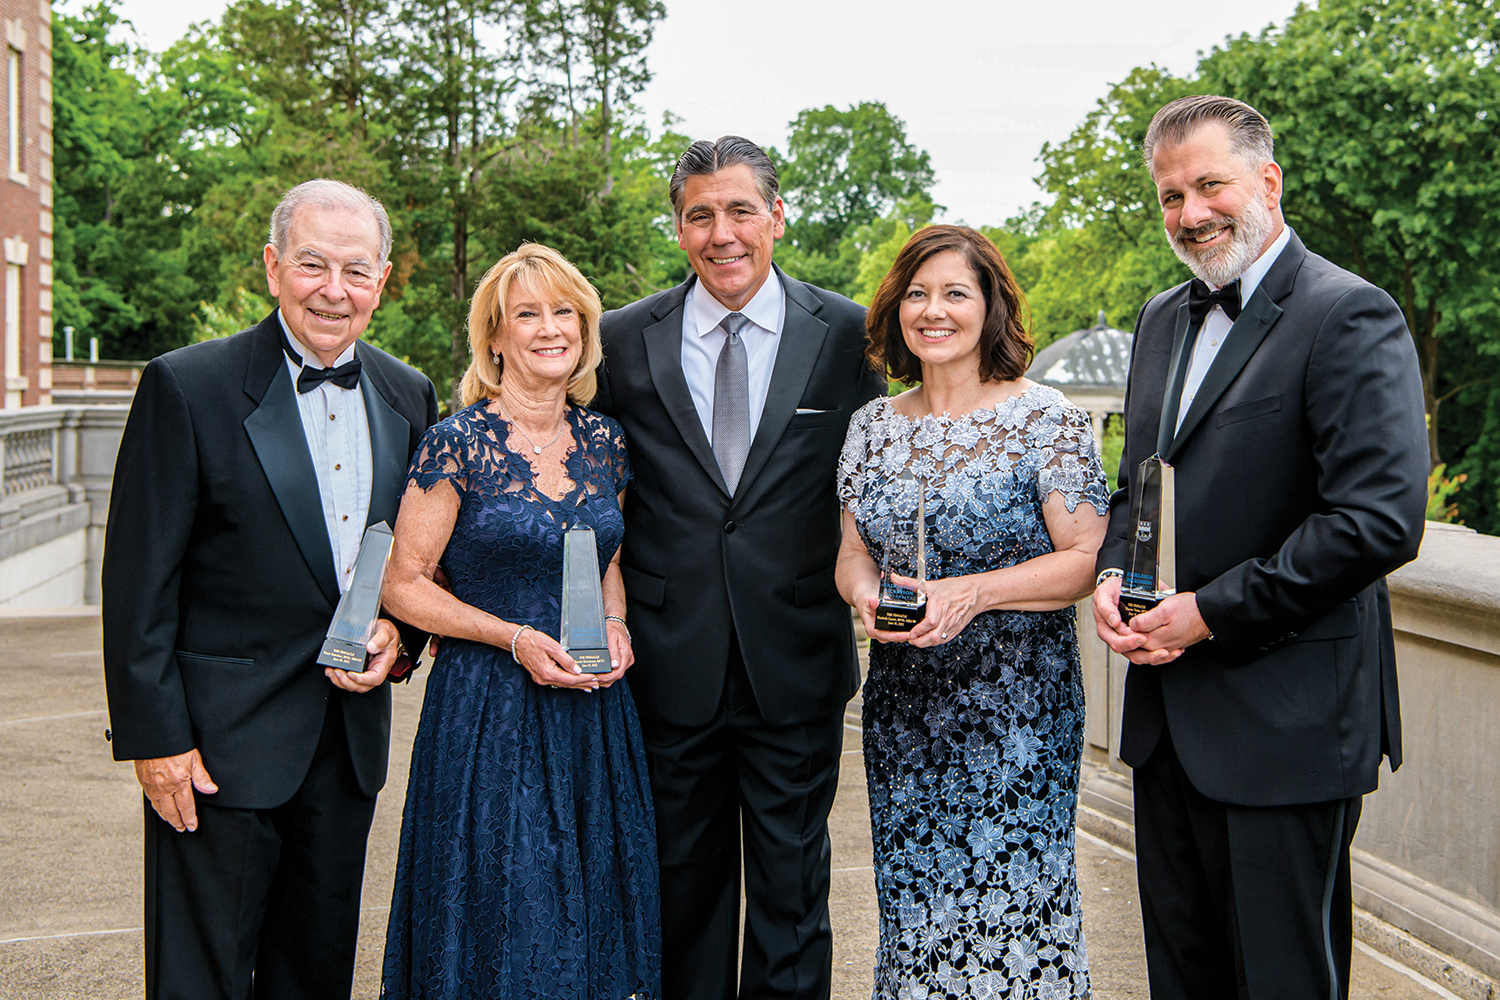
[1086, 362]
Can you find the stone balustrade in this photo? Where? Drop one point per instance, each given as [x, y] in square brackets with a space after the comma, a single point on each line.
[56, 463]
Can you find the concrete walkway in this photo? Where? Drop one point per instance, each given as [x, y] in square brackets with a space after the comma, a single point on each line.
[70, 847]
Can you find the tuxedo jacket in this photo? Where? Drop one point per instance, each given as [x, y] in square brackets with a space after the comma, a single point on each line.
[1301, 481]
[218, 576]
[701, 565]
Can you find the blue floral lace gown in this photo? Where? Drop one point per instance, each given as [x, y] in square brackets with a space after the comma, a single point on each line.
[972, 747]
[527, 865]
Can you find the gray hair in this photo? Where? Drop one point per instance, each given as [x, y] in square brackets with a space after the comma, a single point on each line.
[325, 193]
[704, 157]
[1249, 132]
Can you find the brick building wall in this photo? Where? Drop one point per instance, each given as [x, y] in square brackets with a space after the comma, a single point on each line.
[26, 202]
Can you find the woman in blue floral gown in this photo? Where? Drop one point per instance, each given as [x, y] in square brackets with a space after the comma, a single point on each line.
[973, 720]
[527, 865]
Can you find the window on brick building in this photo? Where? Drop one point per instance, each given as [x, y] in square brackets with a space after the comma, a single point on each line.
[12, 334]
[17, 168]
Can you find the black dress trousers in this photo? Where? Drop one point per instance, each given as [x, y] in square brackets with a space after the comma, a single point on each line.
[739, 777]
[1241, 901]
[262, 903]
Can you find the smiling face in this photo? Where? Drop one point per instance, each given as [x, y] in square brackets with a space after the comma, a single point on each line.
[943, 310]
[1220, 213]
[728, 233]
[540, 338]
[330, 280]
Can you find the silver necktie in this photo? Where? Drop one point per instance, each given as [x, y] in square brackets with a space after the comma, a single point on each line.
[732, 403]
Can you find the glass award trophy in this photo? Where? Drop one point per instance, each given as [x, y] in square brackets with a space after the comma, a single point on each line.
[1151, 567]
[583, 633]
[354, 619]
[902, 607]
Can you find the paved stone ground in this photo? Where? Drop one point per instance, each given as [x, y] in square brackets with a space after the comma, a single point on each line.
[70, 847]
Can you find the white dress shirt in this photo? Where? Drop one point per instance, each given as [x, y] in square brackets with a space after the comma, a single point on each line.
[1217, 323]
[702, 340]
[338, 438]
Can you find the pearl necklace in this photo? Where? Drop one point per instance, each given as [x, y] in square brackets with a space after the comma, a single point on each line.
[536, 449]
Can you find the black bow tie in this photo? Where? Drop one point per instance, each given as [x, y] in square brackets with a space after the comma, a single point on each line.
[345, 376]
[1201, 300]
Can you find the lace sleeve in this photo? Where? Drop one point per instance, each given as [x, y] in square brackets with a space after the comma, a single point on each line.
[442, 455]
[1070, 457]
[854, 460]
[619, 454]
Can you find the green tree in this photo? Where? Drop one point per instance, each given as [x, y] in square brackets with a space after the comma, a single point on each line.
[845, 169]
[123, 190]
[1100, 243]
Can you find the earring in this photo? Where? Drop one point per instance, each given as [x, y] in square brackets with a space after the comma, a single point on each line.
[496, 358]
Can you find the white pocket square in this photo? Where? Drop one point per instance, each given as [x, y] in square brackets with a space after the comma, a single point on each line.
[802, 409]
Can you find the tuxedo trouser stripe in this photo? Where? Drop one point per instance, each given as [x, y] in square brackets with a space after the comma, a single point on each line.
[1335, 849]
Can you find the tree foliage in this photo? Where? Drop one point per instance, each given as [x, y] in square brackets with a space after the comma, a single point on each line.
[460, 115]
[847, 178]
[845, 169]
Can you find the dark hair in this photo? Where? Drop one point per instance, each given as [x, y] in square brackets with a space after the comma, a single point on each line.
[704, 157]
[1249, 133]
[1004, 344]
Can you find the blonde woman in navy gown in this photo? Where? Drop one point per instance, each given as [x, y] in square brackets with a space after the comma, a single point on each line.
[973, 720]
[527, 866]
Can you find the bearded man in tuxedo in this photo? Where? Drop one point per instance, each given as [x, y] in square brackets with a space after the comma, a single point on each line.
[1262, 695]
[248, 471]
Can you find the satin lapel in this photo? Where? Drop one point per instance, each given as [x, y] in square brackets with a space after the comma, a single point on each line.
[275, 430]
[664, 357]
[1176, 373]
[1255, 321]
[390, 437]
[802, 336]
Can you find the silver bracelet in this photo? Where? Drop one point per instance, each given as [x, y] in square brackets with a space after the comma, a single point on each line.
[513, 639]
[1106, 574]
[617, 618]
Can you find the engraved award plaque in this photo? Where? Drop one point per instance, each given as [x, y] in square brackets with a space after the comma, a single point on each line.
[901, 607]
[583, 633]
[1151, 567]
[354, 619]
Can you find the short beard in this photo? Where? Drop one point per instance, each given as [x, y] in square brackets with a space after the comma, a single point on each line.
[1252, 228]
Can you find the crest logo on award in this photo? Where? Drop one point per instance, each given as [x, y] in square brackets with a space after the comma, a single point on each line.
[582, 632]
[902, 607]
[1151, 566]
[354, 619]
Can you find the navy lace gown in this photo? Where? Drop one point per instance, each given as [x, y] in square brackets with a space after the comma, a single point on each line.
[972, 747]
[527, 865]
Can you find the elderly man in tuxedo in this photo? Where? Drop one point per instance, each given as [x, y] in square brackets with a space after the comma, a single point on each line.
[1262, 695]
[248, 471]
[735, 389]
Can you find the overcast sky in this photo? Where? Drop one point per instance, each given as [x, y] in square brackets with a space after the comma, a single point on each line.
[980, 84]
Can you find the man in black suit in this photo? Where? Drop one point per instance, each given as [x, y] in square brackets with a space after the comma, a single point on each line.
[735, 390]
[1261, 697]
[247, 473]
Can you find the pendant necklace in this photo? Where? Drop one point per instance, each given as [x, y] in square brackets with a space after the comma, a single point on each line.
[536, 449]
